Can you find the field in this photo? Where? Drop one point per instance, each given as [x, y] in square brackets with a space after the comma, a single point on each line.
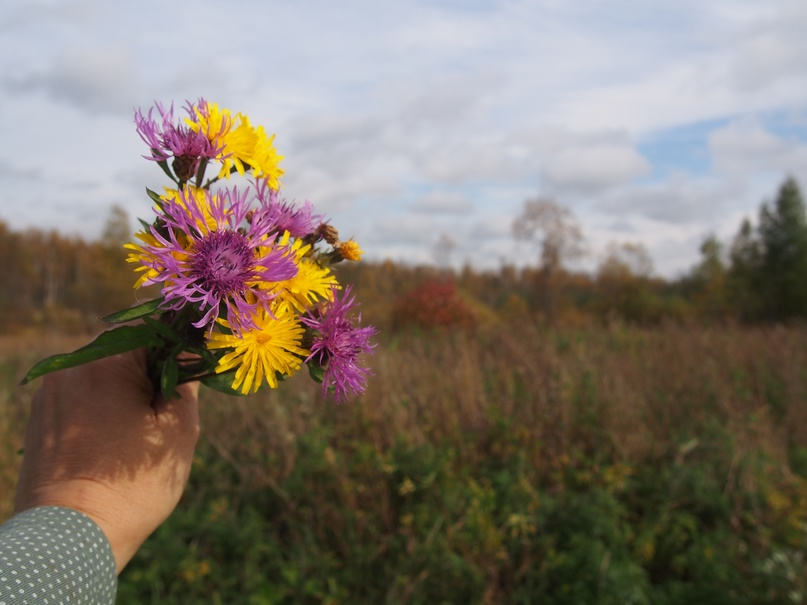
[511, 464]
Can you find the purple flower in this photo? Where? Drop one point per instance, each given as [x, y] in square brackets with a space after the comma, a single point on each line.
[167, 139]
[338, 342]
[298, 221]
[206, 253]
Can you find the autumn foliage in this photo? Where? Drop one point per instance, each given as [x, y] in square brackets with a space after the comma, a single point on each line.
[433, 304]
[62, 282]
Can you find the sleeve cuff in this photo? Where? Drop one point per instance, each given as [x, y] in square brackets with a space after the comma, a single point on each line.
[52, 554]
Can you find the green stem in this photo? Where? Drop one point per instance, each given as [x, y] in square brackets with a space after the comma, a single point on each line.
[196, 377]
[209, 182]
[186, 338]
[200, 172]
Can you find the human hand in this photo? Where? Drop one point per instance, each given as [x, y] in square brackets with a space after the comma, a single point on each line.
[100, 441]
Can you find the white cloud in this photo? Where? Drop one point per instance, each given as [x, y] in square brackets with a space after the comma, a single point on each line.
[477, 104]
[745, 146]
[21, 14]
[678, 201]
[444, 32]
[93, 79]
[771, 47]
[493, 227]
[471, 160]
[443, 202]
[594, 168]
[411, 229]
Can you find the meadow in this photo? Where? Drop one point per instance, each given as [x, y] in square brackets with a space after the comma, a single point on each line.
[506, 463]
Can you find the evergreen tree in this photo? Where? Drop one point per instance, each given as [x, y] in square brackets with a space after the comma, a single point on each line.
[783, 240]
[744, 274]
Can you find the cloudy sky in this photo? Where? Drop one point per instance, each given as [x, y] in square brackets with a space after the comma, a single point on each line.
[657, 121]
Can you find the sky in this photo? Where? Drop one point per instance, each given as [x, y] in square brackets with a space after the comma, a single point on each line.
[410, 122]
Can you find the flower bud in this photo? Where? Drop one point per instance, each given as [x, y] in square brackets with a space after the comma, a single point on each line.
[184, 167]
[328, 233]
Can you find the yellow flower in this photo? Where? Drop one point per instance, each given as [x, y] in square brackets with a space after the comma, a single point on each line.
[312, 283]
[245, 147]
[141, 257]
[199, 194]
[272, 348]
[148, 261]
[407, 487]
[349, 250]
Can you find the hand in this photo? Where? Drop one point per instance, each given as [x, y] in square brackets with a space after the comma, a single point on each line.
[101, 442]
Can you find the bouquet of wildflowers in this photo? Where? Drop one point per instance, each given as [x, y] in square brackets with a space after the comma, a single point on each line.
[248, 295]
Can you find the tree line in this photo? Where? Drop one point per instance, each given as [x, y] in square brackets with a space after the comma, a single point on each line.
[758, 276]
[762, 274]
[52, 278]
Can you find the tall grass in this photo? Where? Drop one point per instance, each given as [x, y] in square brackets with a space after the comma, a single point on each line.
[510, 464]
[17, 354]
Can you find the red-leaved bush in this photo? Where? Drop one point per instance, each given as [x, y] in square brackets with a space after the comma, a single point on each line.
[433, 304]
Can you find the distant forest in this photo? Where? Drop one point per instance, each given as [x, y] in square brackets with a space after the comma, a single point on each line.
[758, 276]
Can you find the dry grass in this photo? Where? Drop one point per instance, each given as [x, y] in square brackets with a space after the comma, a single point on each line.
[627, 393]
[17, 354]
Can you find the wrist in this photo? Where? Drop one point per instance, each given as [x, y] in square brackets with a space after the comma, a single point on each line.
[91, 499]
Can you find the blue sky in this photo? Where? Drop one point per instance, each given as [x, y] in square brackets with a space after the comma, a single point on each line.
[654, 122]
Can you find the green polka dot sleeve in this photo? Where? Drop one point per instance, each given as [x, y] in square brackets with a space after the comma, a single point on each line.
[51, 555]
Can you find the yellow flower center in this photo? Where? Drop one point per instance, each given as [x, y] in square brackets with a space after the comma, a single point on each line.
[262, 338]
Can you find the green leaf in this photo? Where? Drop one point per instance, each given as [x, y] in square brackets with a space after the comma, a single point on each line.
[143, 310]
[164, 330]
[117, 340]
[221, 382]
[316, 371]
[210, 357]
[155, 197]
